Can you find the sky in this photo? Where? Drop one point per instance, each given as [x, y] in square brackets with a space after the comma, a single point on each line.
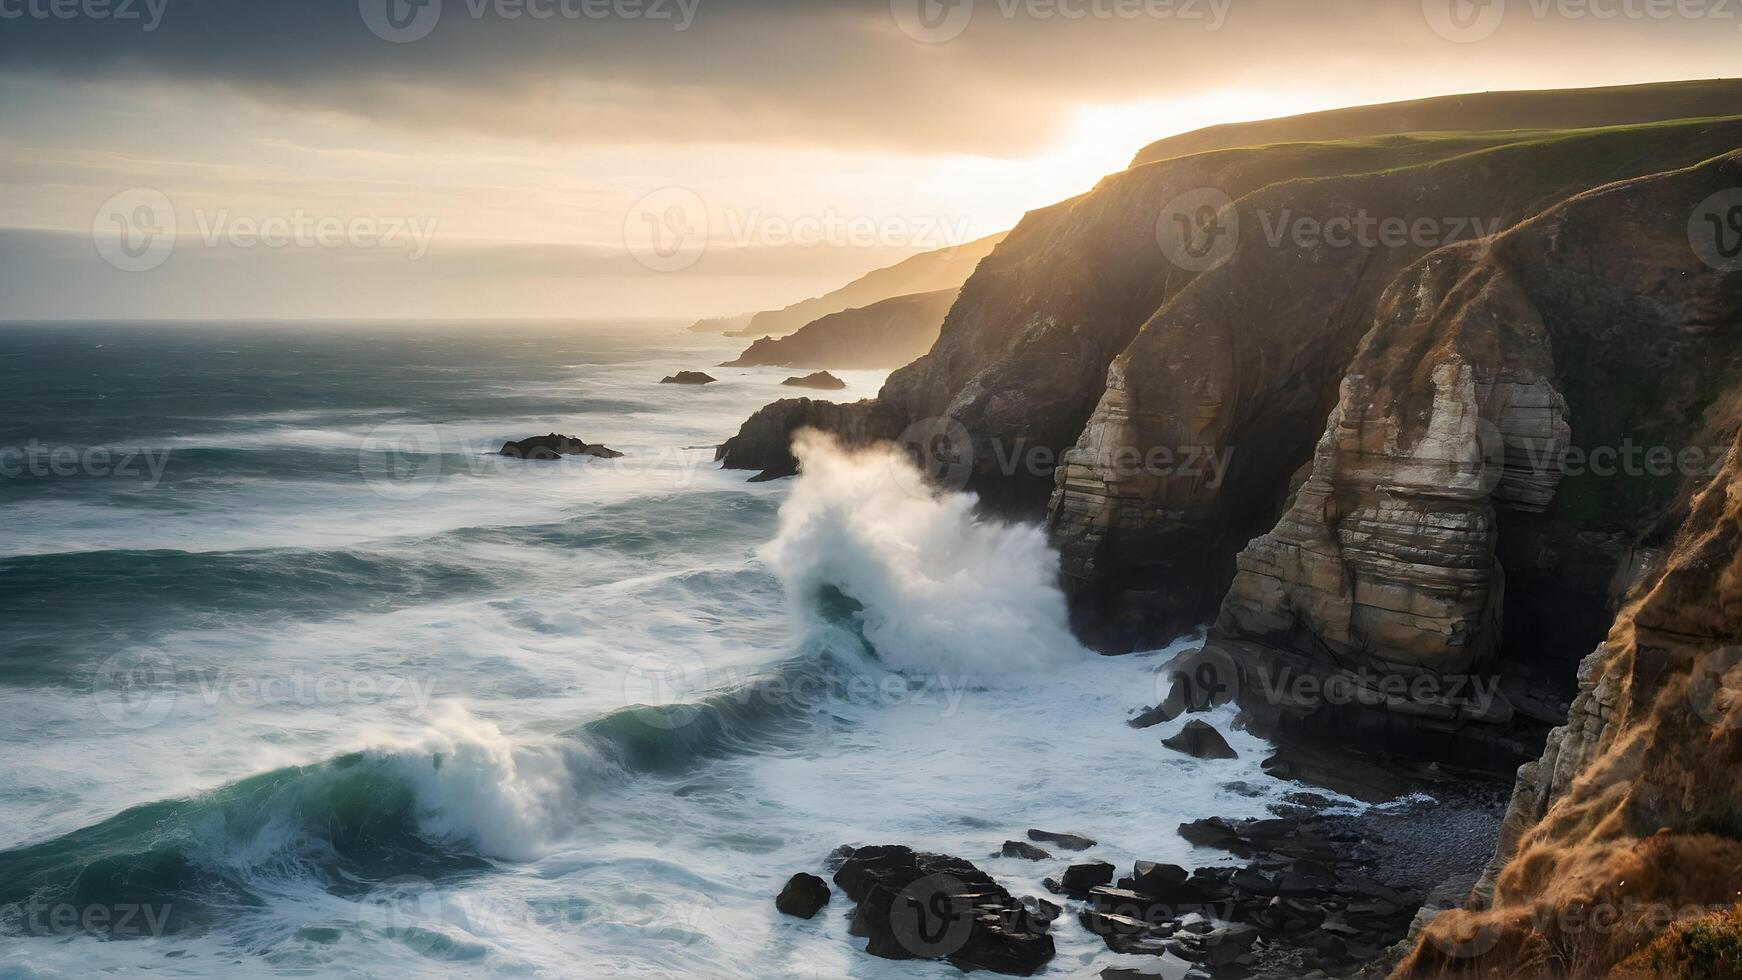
[666, 159]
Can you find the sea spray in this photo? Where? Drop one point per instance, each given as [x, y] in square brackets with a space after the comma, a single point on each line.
[942, 589]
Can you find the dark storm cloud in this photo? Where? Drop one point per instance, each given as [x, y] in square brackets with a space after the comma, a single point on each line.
[666, 70]
[995, 76]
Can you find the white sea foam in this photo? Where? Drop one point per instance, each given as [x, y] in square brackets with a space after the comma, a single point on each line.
[944, 590]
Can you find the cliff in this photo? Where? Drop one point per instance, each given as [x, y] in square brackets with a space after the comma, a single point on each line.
[1488, 365]
[1414, 422]
[883, 335]
[945, 268]
[1627, 834]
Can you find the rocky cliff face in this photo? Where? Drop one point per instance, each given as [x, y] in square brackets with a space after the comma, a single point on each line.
[1356, 431]
[889, 334]
[1629, 823]
[1409, 480]
[1243, 365]
[1485, 364]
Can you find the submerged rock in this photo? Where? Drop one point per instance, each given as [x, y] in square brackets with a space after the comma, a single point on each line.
[821, 380]
[688, 378]
[1023, 850]
[1070, 842]
[555, 446]
[803, 896]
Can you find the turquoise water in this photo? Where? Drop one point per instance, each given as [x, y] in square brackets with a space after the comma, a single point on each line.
[296, 677]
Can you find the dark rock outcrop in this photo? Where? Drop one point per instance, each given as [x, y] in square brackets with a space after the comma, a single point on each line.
[803, 897]
[1079, 878]
[1070, 842]
[688, 378]
[1023, 850]
[1373, 612]
[914, 905]
[821, 380]
[764, 442]
[555, 446]
[888, 334]
[1200, 740]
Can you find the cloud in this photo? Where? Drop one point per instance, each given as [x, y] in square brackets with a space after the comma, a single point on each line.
[850, 73]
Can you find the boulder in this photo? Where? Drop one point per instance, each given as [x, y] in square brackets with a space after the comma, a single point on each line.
[803, 896]
[915, 905]
[1201, 740]
[1079, 878]
[555, 446]
[688, 378]
[1023, 850]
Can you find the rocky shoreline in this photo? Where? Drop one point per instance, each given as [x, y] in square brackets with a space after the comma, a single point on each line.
[1323, 887]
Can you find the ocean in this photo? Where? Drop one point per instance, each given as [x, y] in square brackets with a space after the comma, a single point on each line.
[297, 677]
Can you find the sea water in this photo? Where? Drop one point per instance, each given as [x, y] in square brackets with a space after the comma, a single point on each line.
[298, 677]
